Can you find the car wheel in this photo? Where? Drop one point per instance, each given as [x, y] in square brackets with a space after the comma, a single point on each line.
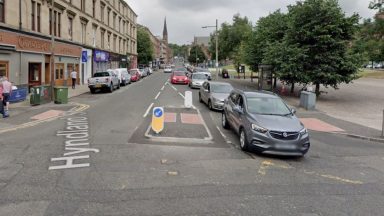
[111, 88]
[243, 140]
[93, 91]
[200, 99]
[224, 121]
[210, 105]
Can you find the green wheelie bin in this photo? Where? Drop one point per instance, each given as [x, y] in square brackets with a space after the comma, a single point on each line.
[61, 94]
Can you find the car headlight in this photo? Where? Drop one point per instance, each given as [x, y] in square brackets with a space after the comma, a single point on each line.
[303, 131]
[259, 128]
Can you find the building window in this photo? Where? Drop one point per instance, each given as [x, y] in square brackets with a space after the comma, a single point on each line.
[58, 24]
[54, 22]
[3, 69]
[108, 16]
[2, 9]
[102, 12]
[119, 45]
[94, 8]
[82, 7]
[119, 24]
[59, 71]
[114, 21]
[33, 16]
[109, 41]
[123, 27]
[94, 28]
[70, 27]
[102, 38]
[38, 13]
[50, 21]
[83, 32]
[114, 43]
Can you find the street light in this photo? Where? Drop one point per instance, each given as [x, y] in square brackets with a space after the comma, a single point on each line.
[217, 47]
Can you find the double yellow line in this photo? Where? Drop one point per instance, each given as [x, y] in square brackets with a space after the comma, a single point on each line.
[78, 108]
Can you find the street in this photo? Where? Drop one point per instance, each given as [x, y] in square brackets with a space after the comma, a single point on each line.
[103, 161]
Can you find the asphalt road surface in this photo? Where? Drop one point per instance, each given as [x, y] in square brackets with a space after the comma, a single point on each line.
[99, 162]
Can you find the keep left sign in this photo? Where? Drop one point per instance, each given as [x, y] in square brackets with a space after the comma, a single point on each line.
[158, 119]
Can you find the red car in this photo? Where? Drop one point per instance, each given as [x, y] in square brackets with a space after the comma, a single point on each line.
[179, 77]
[135, 74]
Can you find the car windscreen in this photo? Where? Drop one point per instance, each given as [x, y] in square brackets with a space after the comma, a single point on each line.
[267, 106]
[132, 72]
[101, 74]
[221, 88]
[179, 73]
[199, 76]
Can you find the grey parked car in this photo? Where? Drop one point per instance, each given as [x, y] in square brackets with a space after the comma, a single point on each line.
[197, 79]
[214, 93]
[265, 124]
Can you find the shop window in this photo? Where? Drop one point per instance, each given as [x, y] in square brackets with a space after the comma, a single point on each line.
[34, 72]
[3, 69]
[59, 71]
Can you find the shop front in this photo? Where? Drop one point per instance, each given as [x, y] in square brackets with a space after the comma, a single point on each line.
[67, 59]
[100, 61]
[86, 65]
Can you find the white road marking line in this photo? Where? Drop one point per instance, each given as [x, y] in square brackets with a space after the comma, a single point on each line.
[157, 96]
[162, 88]
[173, 87]
[149, 108]
[181, 95]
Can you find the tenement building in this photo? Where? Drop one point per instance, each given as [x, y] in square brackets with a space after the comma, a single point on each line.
[41, 40]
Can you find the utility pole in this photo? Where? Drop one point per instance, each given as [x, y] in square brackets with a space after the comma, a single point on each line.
[217, 46]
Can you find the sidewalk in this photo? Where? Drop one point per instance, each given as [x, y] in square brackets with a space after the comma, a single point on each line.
[23, 113]
[338, 109]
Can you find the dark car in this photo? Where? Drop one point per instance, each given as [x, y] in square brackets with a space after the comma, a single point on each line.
[265, 124]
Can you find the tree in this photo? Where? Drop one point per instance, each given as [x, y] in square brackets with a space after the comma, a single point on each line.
[144, 47]
[230, 37]
[268, 31]
[196, 55]
[377, 4]
[180, 51]
[321, 30]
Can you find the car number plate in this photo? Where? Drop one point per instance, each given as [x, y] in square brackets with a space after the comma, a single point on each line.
[98, 85]
[285, 146]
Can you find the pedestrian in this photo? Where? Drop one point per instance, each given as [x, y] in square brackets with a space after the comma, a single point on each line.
[7, 91]
[2, 111]
[74, 77]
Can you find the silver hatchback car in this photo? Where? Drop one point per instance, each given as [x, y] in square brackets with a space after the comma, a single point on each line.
[197, 79]
[265, 124]
[214, 93]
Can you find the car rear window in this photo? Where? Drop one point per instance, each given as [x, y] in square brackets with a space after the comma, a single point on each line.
[101, 74]
[199, 76]
[179, 73]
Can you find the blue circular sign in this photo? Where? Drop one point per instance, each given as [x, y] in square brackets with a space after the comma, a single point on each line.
[158, 112]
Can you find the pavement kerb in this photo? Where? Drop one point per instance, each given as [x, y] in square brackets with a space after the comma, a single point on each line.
[356, 136]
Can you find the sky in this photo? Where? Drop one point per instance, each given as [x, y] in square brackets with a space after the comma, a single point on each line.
[186, 17]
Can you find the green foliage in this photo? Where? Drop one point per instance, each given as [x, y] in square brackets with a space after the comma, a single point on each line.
[144, 47]
[230, 37]
[377, 4]
[196, 55]
[180, 51]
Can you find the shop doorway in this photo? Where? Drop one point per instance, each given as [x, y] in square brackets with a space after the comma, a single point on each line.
[34, 74]
[59, 74]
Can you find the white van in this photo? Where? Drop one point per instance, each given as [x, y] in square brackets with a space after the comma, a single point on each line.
[123, 75]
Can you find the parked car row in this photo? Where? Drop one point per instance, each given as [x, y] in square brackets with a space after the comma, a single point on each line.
[262, 120]
[114, 78]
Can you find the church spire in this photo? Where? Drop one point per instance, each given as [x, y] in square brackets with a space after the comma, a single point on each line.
[165, 31]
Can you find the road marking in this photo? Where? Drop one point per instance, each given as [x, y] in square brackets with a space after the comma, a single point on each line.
[149, 109]
[267, 164]
[162, 88]
[157, 96]
[173, 87]
[181, 95]
[223, 135]
[332, 177]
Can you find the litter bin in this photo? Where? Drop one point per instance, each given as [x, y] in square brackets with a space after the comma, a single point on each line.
[18, 95]
[61, 94]
[308, 100]
[35, 98]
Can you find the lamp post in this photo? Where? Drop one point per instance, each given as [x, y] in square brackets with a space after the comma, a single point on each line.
[217, 47]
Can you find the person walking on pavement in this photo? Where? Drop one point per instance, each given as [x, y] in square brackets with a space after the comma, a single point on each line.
[7, 91]
[2, 111]
[74, 77]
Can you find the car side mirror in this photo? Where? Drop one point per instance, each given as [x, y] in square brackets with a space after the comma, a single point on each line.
[238, 109]
[293, 111]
